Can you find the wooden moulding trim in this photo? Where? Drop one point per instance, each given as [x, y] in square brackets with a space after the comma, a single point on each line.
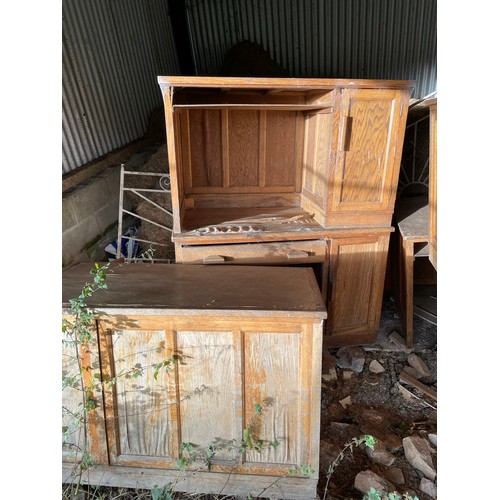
[293, 488]
[291, 83]
[332, 232]
[159, 310]
[349, 338]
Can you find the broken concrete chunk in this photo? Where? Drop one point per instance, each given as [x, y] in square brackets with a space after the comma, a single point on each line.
[351, 358]
[328, 363]
[330, 376]
[418, 453]
[347, 374]
[417, 363]
[376, 367]
[428, 487]
[400, 342]
[346, 402]
[394, 475]
[433, 439]
[367, 479]
[380, 455]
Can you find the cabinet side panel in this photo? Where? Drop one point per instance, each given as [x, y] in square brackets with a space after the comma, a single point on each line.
[322, 163]
[311, 122]
[317, 158]
[243, 146]
[281, 148]
[205, 139]
[272, 379]
[142, 402]
[210, 389]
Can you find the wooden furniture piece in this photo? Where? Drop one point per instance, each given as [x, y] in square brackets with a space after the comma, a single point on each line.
[411, 218]
[290, 172]
[243, 336]
[432, 103]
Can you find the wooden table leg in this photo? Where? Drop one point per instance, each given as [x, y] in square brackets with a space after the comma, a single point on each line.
[408, 259]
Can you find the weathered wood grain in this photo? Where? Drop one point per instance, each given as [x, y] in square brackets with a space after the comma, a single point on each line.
[237, 288]
[286, 488]
[270, 382]
[432, 103]
[210, 388]
[357, 277]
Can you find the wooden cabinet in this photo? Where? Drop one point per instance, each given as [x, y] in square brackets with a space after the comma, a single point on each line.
[267, 171]
[242, 336]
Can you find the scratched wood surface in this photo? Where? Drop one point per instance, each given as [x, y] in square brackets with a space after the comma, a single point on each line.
[258, 290]
[210, 388]
[270, 382]
[141, 402]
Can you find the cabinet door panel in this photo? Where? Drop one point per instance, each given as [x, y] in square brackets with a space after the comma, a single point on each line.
[141, 405]
[368, 149]
[270, 381]
[358, 272]
[210, 388]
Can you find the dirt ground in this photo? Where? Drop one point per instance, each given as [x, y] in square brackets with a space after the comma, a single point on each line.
[379, 407]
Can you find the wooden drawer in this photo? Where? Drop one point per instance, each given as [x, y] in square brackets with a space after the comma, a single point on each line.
[282, 252]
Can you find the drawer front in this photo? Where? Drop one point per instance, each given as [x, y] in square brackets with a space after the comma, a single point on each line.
[283, 252]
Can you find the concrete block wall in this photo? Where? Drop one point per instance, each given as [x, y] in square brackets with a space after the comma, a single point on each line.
[90, 213]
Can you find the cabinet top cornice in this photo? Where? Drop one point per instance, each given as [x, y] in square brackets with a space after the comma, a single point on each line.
[280, 83]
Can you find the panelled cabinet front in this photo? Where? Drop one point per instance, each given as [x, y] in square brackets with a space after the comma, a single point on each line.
[357, 271]
[224, 368]
[370, 138]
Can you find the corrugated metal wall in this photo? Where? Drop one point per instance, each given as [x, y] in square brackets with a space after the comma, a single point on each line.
[387, 39]
[113, 50]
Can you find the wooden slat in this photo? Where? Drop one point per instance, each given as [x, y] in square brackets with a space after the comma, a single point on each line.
[254, 107]
[424, 389]
[290, 488]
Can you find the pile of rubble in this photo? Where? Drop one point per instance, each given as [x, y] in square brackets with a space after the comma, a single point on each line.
[390, 395]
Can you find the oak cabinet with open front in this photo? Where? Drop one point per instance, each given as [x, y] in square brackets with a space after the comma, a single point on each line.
[290, 172]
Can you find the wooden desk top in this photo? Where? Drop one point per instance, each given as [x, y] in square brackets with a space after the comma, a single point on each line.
[201, 289]
[411, 216]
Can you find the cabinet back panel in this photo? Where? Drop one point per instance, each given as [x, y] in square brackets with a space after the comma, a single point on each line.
[281, 148]
[205, 148]
[243, 148]
[235, 151]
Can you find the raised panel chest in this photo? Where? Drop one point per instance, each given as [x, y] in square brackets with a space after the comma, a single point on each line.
[247, 343]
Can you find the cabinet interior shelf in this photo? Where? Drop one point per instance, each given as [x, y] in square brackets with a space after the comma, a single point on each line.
[276, 107]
